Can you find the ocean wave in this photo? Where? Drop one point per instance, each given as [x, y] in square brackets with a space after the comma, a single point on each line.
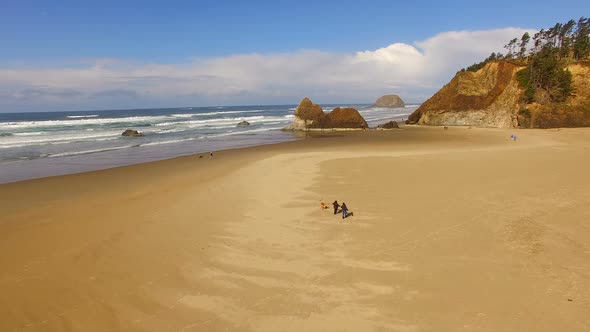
[233, 123]
[82, 116]
[32, 133]
[170, 131]
[220, 121]
[22, 141]
[191, 115]
[245, 132]
[75, 153]
[5, 134]
[184, 115]
[137, 120]
[169, 142]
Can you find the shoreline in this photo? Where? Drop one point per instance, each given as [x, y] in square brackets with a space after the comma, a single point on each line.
[91, 164]
[58, 144]
[452, 229]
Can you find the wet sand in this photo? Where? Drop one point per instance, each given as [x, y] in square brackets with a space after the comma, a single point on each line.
[453, 230]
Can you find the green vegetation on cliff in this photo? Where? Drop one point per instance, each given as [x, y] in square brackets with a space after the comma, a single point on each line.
[546, 56]
[546, 80]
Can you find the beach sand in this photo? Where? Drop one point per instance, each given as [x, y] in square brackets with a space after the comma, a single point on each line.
[453, 230]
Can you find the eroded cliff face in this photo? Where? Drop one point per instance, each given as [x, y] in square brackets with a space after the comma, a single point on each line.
[580, 83]
[492, 97]
[489, 97]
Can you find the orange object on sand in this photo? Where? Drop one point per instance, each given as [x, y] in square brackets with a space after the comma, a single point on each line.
[323, 205]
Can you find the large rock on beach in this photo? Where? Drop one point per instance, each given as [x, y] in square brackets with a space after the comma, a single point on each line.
[389, 101]
[388, 125]
[307, 115]
[132, 133]
[344, 118]
[310, 116]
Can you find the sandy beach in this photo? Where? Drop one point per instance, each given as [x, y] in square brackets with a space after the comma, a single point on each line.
[453, 230]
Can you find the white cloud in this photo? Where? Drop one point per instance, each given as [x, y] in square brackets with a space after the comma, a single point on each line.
[413, 71]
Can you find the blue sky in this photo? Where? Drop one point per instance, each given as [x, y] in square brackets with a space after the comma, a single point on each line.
[141, 42]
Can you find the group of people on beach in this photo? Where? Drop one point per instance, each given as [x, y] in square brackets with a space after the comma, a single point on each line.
[338, 208]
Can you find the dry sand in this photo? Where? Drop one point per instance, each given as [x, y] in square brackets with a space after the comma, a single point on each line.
[453, 230]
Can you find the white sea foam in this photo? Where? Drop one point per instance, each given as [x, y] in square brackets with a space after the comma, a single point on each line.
[74, 153]
[82, 116]
[171, 131]
[183, 115]
[230, 133]
[80, 122]
[190, 115]
[169, 142]
[20, 141]
[33, 133]
[219, 121]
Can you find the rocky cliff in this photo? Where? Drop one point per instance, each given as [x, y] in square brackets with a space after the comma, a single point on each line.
[493, 97]
[574, 112]
[310, 116]
[487, 98]
[389, 101]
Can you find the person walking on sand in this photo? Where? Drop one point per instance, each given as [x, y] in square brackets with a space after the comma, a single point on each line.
[344, 210]
[336, 206]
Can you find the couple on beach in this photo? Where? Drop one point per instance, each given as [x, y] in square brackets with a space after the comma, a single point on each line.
[343, 207]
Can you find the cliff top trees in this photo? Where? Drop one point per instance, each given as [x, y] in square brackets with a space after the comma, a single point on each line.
[546, 58]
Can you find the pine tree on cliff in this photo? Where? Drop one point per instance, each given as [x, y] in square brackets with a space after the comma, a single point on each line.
[582, 39]
[547, 58]
[511, 47]
[524, 41]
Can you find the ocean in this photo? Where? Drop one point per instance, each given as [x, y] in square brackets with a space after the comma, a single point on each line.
[41, 144]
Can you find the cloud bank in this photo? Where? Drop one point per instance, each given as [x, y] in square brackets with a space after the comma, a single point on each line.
[413, 71]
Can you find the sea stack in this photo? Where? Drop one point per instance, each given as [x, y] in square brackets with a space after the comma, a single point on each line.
[388, 125]
[132, 133]
[307, 115]
[389, 101]
[310, 116]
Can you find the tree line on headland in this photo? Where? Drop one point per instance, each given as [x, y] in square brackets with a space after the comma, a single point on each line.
[545, 56]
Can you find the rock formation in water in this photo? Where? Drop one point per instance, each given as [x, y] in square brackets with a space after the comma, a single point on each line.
[310, 116]
[343, 118]
[307, 115]
[388, 125]
[389, 101]
[132, 133]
